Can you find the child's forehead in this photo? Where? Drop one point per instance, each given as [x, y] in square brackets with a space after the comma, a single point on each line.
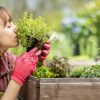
[4, 17]
[2, 24]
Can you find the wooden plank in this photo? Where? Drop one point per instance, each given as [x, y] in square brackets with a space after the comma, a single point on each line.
[70, 89]
[48, 90]
[30, 90]
[61, 89]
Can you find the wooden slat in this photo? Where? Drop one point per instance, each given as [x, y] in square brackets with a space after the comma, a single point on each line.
[30, 90]
[61, 89]
[70, 89]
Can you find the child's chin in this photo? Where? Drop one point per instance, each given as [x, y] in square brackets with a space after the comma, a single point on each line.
[16, 44]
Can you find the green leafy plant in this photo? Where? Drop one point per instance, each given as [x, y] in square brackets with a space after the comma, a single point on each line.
[93, 71]
[43, 72]
[60, 66]
[32, 32]
[86, 72]
[76, 71]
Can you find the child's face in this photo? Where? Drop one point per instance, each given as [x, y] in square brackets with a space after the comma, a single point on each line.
[8, 35]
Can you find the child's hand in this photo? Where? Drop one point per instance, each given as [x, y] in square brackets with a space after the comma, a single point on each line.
[25, 65]
[45, 52]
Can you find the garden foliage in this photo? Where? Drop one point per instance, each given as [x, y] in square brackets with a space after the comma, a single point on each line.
[60, 68]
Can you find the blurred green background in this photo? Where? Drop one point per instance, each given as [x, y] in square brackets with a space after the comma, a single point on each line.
[75, 24]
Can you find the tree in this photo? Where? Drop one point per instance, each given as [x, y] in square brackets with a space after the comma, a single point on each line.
[93, 13]
[76, 29]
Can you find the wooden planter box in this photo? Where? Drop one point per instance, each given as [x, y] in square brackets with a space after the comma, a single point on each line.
[61, 89]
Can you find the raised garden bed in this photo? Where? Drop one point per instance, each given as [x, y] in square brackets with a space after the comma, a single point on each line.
[61, 89]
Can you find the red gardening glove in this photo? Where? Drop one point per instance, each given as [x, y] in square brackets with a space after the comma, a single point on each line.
[25, 65]
[45, 52]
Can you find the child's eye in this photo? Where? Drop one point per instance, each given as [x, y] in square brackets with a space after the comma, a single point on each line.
[9, 26]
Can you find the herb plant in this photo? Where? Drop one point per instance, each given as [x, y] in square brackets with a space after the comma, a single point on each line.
[32, 32]
[85, 72]
[60, 66]
[77, 72]
[43, 72]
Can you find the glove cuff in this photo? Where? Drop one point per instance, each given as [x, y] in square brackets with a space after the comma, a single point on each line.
[18, 79]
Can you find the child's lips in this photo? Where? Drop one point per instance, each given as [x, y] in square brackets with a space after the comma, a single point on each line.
[16, 38]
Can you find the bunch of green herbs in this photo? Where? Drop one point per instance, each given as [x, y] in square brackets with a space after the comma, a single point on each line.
[32, 30]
